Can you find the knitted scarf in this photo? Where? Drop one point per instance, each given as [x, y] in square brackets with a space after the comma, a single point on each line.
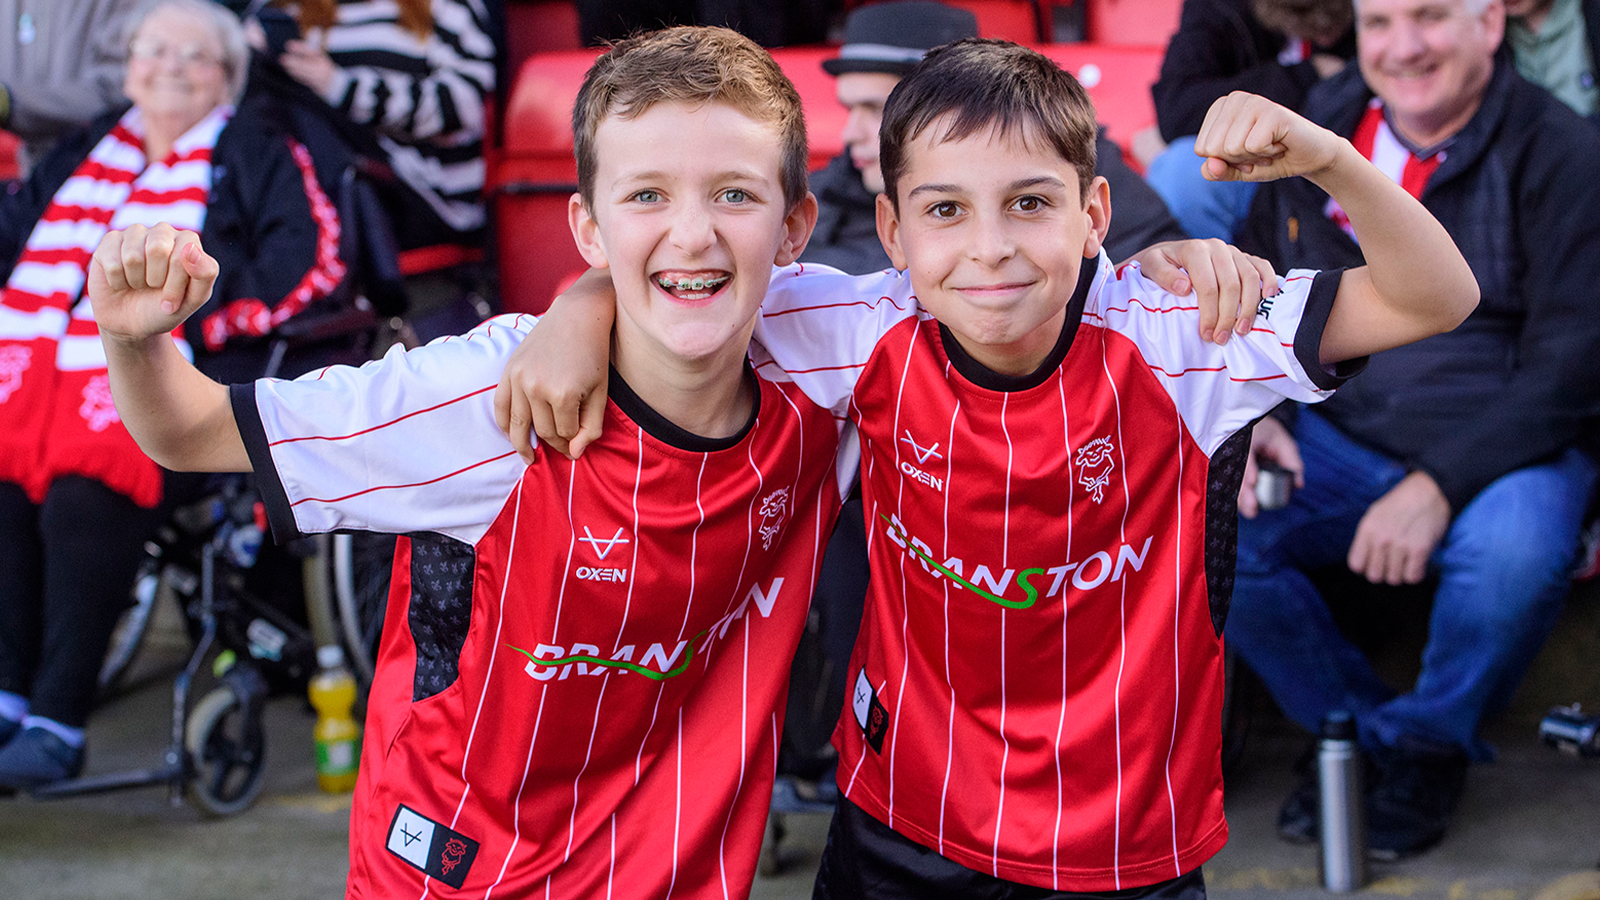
[56, 414]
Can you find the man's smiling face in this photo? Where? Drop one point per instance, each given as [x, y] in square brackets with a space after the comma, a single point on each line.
[1429, 60]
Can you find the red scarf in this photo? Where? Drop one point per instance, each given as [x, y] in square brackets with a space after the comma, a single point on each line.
[56, 414]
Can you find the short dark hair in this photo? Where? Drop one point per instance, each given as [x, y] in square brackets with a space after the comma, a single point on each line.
[694, 65]
[982, 83]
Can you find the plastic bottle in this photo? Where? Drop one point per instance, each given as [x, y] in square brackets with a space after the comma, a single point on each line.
[1343, 860]
[338, 737]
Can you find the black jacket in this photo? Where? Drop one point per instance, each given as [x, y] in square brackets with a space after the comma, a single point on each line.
[1519, 192]
[1221, 47]
[259, 224]
[846, 236]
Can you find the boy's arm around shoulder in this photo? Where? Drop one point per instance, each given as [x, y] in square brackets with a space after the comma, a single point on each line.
[144, 282]
[1415, 284]
[817, 324]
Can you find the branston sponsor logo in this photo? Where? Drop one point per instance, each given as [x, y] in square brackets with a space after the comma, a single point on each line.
[993, 584]
[658, 661]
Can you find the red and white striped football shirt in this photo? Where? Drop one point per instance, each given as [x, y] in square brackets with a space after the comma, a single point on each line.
[1375, 140]
[1038, 677]
[584, 665]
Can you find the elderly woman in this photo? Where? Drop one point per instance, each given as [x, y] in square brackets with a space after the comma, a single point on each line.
[77, 497]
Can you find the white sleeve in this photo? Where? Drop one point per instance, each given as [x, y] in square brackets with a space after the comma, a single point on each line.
[818, 326]
[1219, 390]
[405, 443]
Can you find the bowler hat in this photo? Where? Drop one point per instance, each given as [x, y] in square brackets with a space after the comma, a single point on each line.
[893, 37]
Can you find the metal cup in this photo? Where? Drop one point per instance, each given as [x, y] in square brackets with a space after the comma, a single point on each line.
[1274, 484]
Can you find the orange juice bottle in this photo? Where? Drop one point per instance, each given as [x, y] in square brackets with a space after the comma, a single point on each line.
[338, 737]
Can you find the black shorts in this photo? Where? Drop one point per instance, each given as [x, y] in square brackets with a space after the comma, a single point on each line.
[867, 860]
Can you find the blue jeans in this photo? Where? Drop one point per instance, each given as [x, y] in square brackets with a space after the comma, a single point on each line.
[1205, 209]
[1503, 570]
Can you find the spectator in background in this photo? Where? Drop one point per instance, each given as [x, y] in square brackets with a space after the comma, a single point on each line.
[1275, 48]
[1454, 455]
[60, 66]
[77, 496]
[881, 44]
[1555, 44]
[416, 74]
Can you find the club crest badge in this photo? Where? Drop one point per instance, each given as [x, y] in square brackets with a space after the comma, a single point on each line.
[1095, 466]
[98, 409]
[774, 513]
[13, 362]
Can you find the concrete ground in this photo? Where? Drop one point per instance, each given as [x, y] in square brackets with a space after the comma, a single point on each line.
[1526, 822]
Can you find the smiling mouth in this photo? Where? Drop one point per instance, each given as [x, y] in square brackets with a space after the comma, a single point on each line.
[981, 289]
[692, 285]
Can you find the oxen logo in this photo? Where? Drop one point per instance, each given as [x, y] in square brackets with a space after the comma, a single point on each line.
[1095, 466]
[13, 362]
[774, 512]
[923, 453]
[98, 409]
[451, 856]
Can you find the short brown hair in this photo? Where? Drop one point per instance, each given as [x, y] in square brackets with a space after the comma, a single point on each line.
[690, 64]
[983, 83]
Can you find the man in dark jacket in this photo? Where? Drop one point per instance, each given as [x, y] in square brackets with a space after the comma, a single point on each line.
[1275, 48]
[1455, 455]
[882, 43]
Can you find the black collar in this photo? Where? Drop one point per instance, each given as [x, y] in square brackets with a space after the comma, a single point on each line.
[662, 429]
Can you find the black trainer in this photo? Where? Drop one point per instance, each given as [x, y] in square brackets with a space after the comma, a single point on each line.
[1409, 806]
[36, 757]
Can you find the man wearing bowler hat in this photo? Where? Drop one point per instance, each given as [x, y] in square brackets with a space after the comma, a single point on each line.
[882, 43]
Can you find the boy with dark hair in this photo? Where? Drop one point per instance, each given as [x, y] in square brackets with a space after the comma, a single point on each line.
[1051, 461]
[582, 678]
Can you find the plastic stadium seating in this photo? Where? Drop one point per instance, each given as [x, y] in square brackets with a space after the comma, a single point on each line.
[1140, 22]
[1118, 80]
[539, 26]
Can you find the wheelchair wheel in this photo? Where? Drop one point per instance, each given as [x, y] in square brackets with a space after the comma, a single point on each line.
[128, 638]
[361, 568]
[228, 765]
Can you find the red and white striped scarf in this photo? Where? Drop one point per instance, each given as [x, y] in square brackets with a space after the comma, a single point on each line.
[56, 414]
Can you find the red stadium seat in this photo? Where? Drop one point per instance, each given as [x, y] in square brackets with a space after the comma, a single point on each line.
[1143, 22]
[531, 178]
[538, 26]
[1118, 80]
[10, 146]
